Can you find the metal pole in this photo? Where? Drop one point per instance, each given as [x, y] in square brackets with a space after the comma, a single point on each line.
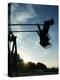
[26, 31]
[22, 24]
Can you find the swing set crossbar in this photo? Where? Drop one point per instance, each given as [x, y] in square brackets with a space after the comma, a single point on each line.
[26, 31]
[22, 24]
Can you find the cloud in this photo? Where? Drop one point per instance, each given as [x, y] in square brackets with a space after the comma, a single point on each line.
[22, 17]
[21, 13]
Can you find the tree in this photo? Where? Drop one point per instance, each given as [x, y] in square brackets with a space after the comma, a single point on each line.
[41, 66]
[31, 66]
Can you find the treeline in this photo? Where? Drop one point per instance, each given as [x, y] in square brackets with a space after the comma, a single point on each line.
[30, 67]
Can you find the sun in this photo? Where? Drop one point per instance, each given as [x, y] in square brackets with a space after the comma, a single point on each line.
[26, 59]
[25, 56]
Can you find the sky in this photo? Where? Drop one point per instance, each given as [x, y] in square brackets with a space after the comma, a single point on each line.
[28, 46]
